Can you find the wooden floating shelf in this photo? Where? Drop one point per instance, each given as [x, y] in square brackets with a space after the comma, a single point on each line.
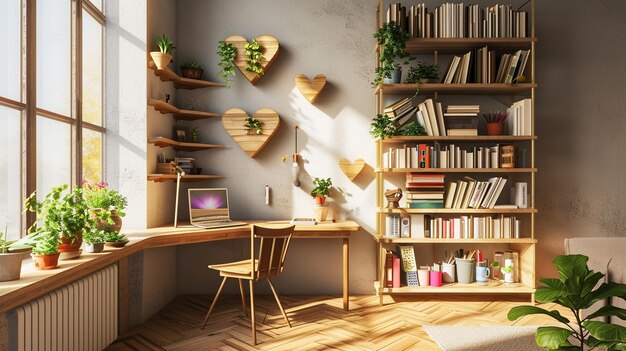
[453, 241]
[458, 211]
[186, 178]
[188, 115]
[461, 45]
[167, 75]
[456, 288]
[456, 170]
[461, 89]
[479, 138]
[182, 146]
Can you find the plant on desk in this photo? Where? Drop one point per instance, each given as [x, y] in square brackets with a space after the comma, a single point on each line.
[321, 190]
[105, 204]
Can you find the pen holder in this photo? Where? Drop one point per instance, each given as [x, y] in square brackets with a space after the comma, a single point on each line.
[465, 270]
[448, 270]
[422, 277]
[495, 128]
[435, 278]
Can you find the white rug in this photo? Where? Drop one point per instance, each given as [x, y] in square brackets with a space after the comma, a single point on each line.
[487, 338]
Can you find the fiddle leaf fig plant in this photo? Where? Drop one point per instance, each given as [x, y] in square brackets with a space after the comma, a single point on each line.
[574, 290]
[227, 53]
[392, 44]
[254, 55]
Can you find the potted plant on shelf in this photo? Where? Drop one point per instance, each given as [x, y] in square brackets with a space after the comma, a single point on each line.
[11, 254]
[94, 239]
[115, 239]
[574, 290]
[253, 126]
[392, 43]
[382, 127]
[191, 69]
[163, 57]
[227, 53]
[423, 73]
[195, 134]
[254, 55]
[105, 204]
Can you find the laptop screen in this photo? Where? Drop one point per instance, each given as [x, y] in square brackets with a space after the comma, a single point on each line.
[208, 202]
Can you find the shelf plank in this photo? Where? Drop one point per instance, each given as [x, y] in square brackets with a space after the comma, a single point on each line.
[456, 170]
[182, 146]
[461, 89]
[186, 178]
[462, 45]
[453, 241]
[188, 115]
[167, 75]
[479, 138]
[492, 287]
[458, 211]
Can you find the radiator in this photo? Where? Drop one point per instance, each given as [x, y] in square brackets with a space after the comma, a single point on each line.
[81, 316]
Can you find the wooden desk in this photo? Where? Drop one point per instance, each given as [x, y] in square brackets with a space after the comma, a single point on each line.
[35, 283]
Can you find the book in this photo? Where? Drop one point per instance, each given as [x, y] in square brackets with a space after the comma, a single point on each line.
[430, 107]
[442, 127]
[417, 226]
[462, 132]
[389, 269]
[396, 272]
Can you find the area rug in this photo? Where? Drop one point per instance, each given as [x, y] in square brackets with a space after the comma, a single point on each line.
[486, 338]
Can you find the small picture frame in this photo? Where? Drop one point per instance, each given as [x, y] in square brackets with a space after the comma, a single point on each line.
[181, 134]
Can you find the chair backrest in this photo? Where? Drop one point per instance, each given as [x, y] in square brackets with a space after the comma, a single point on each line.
[272, 250]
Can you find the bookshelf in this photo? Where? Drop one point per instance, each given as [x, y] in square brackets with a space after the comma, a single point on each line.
[392, 177]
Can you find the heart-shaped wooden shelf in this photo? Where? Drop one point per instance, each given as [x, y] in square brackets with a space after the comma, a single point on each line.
[270, 49]
[234, 119]
[351, 169]
[310, 88]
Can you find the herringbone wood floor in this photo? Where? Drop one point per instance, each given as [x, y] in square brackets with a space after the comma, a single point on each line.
[319, 323]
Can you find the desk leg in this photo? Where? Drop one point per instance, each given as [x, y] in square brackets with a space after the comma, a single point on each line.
[346, 274]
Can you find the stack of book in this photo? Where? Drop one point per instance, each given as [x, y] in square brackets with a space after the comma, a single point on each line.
[459, 70]
[519, 117]
[470, 193]
[401, 112]
[186, 163]
[430, 116]
[512, 67]
[424, 190]
[462, 120]
[472, 227]
[167, 167]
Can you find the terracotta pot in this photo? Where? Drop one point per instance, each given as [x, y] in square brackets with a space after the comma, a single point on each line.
[117, 222]
[160, 59]
[46, 261]
[495, 128]
[71, 244]
[192, 72]
[320, 200]
[94, 248]
[10, 266]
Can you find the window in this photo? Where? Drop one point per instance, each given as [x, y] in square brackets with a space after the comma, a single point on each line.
[62, 121]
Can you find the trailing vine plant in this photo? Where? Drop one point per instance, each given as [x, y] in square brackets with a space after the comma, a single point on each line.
[254, 55]
[227, 52]
[392, 43]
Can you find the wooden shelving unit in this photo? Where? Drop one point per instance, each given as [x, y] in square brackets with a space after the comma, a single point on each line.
[187, 115]
[524, 245]
[182, 146]
[167, 75]
[186, 178]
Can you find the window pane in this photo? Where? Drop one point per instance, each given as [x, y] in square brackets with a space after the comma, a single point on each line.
[92, 155]
[10, 19]
[53, 56]
[92, 70]
[53, 154]
[98, 4]
[10, 165]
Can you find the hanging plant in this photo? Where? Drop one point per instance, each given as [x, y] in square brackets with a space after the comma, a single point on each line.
[392, 43]
[227, 52]
[254, 55]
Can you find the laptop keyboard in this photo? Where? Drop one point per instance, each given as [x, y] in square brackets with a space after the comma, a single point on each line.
[211, 219]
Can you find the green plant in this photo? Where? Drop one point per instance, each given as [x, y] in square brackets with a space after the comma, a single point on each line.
[165, 44]
[254, 55]
[102, 201]
[422, 71]
[574, 289]
[253, 123]
[115, 237]
[191, 64]
[321, 187]
[382, 126]
[7, 246]
[94, 235]
[392, 43]
[227, 53]
[195, 134]
[413, 128]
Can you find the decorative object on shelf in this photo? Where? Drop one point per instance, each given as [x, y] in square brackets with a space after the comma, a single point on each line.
[115, 239]
[295, 166]
[574, 290]
[482, 273]
[252, 66]
[321, 190]
[423, 73]
[391, 41]
[495, 122]
[382, 127]
[393, 198]
[191, 69]
[106, 205]
[253, 126]
[163, 57]
[227, 53]
[181, 134]
[351, 169]
[11, 254]
[195, 135]
[310, 88]
[507, 270]
[234, 119]
[507, 156]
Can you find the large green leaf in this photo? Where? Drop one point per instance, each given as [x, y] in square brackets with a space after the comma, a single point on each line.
[608, 311]
[571, 265]
[592, 343]
[552, 337]
[546, 294]
[606, 331]
[620, 346]
[520, 311]
[606, 290]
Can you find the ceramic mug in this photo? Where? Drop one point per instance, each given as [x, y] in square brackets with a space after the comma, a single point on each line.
[482, 275]
[423, 277]
[435, 278]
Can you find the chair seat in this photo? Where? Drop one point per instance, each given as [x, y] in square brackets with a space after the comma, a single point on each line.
[239, 269]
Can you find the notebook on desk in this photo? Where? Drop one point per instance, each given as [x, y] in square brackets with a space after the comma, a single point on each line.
[208, 208]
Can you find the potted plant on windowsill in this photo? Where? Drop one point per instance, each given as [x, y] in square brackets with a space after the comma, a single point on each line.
[46, 253]
[163, 57]
[115, 239]
[11, 255]
[105, 204]
[94, 239]
[320, 191]
[191, 69]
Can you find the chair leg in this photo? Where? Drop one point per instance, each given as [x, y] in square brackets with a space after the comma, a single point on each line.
[278, 301]
[219, 291]
[252, 311]
[243, 299]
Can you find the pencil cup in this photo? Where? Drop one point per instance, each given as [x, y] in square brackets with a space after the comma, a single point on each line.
[448, 271]
[495, 128]
[465, 270]
[422, 277]
[435, 278]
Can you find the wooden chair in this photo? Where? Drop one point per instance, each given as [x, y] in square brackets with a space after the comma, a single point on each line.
[270, 263]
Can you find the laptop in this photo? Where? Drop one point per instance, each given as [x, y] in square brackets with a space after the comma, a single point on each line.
[208, 208]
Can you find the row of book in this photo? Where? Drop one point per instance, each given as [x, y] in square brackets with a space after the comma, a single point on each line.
[451, 20]
[472, 193]
[420, 226]
[448, 156]
[424, 190]
[479, 66]
[518, 121]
